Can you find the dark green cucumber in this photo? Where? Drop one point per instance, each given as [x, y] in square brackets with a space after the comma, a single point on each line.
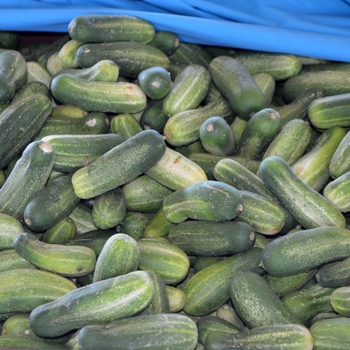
[119, 256]
[199, 238]
[125, 124]
[75, 151]
[161, 331]
[134, 224]
[256, 303]
[272, 337]
[307, 206]
[20, 121]
[98, 96]
[236, 83]
[144, 194]
[10, 39]
[32, 88]
[64, 260]
[335, 274]
[259, 132]
[13, 74]
[208, 289]
[267, 84]
[337, 192]
[340, 301]
[106, 28]
[165, 41]
[187, 53]
[308, 302]
[109, 209]
[28, 176]
[153, 116]
[119, 297]
[339, 164]
[200, 201]
[164, 258]
[24, 342]
[45, 286]
[183, 128]
[130, 56]
[51, 205]
[125, 162]
[290, 254]
[331, 334]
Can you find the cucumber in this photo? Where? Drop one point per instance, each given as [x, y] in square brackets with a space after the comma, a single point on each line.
[13, 74]
[75, 151]
[20, 121]
[67, 55]
[327, 244]
[10, 39]
[308, 167]
[208, 289]
[175, 171]
[183, 128]
[340, 300]
[131, 57]
[98, 96]
[126, 161]
[119, 256]
[236, 84]
[158, 226]
[52, 48]
[45, 286]
[60, 233]
[200, 201]
[176, 298]
[82, 218]
[51, 204]
[339, 162]
[37, 73]
[312, 209]
[331, 334]
[109, 209]
[228, 313]
[134, 224]
[334, 274]
[153, 116]
[165, 41]
[267, 84]
[256, 303]
[67, 111]
[163, 258]
[187, 53]
[125, 124]
[67, 261]
[119, 297]
[11, 260]
[272, 337]
[200, 238]
[106, 28]
[28, 176]
[337, 192]
[17, 342]
[161, 331]
[188, 90]
[9, 228]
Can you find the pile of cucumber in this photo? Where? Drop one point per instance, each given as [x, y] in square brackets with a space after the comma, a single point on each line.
[158, 194]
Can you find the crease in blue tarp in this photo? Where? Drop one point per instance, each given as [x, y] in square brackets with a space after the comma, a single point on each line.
[318, 29]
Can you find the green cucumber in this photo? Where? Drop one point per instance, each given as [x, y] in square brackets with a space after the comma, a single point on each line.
[13, 74]
[20, 342]
[158, 226]
[82, 218]
[134, 224]
[339, 162]
[10, 39]
[45, 286]
[67, 111]
[290, 254]
[187, 53]
[312, 209]
[161, 331]
[9, 228]
[119, 297]
[67, 55]
[126, 125]
[335, 274]
[75, 151]
[105, 28]
[48, 50]
[164, 258]
[209, 238]
[340, 301]
[256, 303]
[28, 176]
[98, 96]
[126, 161]
[109, 209]
[228, 313]
[183, 128]
[64, 260]
[60, 233]
[119, 256]
[11, 260]
[208, 288]
[130, 56]
[20, 121]
[176, 298]
[271, 337]
[153, 116]
[236, 83]
[188, 90]
[267, 84]
[176, 171]
[51, 204]
[38, 73]
[200, 201]
[165, 41]
[337, 192]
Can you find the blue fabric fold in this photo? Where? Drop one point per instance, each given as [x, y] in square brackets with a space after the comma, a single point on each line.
[318, 29]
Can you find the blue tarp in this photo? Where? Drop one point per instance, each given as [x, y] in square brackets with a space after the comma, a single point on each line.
[311, 28]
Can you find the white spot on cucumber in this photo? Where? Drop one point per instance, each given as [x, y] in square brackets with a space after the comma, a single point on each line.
[91, 122]
[46, 147]
[210, 127]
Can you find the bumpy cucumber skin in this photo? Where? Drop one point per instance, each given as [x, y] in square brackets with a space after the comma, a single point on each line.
[307, 206]
[9, 228]
[165, 41]
[236, 83]
[339, 163]
[28, 176]
[340, 301]
[98, 96]
[119, 297]
[68, 261]
[290, 254]
[102, 28]
[161, 331]
[337, 192]
[200, 201]
[119, 165]
[335, 274]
